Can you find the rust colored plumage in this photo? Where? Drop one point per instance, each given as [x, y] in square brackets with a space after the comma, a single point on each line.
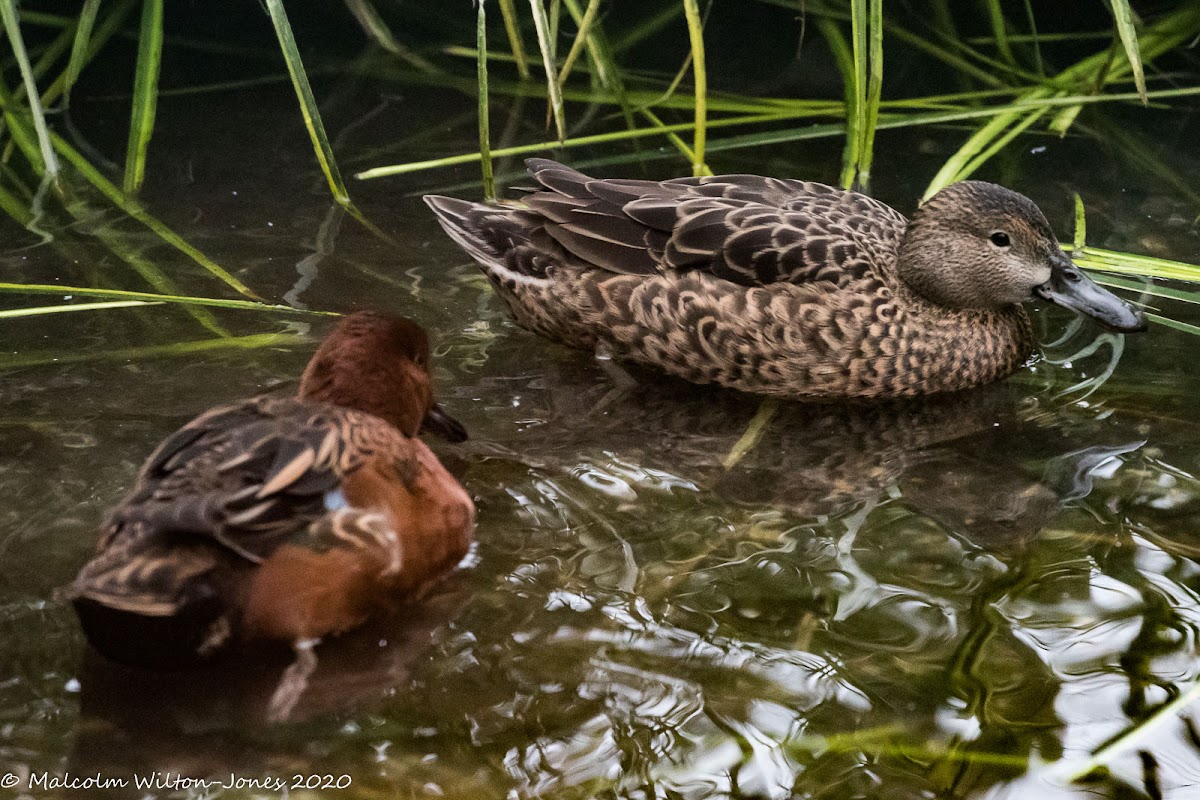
[772, 286]
[284, 518]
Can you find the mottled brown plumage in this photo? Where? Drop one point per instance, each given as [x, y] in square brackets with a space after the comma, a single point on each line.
[778, 287]
[283, 518]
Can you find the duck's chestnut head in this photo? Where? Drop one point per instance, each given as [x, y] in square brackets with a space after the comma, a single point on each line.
[379, 364]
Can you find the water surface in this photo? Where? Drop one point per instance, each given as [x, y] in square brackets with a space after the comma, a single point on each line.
[926, 599]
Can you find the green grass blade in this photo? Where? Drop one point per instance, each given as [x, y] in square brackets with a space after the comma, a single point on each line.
[1140, 732]
[844, 59]
[1064, 119]
[308, 103]
[672, 87]
[578, 141]
[108, 27]
[951, 59]
[23, 137]
[515, 42]
[374, 26]
[866, 150]
[76, 206]
[15, 207]
[716, 102]
[672, 137]
[942, 22]
[976, 144]
[145, 94]
[46, 19]
[604, 70]
[545, 42]
[232, 86]
[604, 66]
[1038, 64]
[554, 19]
[1178, 325]
[753, 433]
[135, 210]
[79, 49]
[132, 254]
[485, 137]
[1127, 31]
[1166, 33]
[691, 10]
[647, 27]
[1165, 292]
[1000, 30]
[8, 13]
[856, 122]
[150, 297]
[581, 40]
[946, 109]
[1142, 265]
[50, 56]
[1130, 264]
[999, 144]
[37, 311]
[776, 137]
[1080, 238]
[782, 136]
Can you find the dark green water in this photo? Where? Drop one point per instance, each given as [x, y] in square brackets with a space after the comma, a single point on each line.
[923, 600]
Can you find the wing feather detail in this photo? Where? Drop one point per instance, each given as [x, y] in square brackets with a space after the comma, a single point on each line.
[747, 229]
[228, 489]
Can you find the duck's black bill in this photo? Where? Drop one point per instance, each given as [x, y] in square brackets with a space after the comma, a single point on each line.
[1070, 288]
[437, 421]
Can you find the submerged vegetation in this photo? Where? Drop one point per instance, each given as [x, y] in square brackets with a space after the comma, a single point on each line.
[996, 76]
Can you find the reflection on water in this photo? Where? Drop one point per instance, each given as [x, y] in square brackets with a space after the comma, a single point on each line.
[934, 598]
[197, 722]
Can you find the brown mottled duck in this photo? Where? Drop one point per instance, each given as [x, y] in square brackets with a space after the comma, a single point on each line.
[284, 519]
[779, 287]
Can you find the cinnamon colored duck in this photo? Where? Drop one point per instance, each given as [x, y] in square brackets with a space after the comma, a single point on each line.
[779, 287]
[284, 518]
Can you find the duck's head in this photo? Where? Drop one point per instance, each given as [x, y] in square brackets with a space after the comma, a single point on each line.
[379, 364]
[979, 245]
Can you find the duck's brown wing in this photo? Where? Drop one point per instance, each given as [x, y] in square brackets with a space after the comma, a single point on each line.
[250, 475]
[747, 229]
[225, 491]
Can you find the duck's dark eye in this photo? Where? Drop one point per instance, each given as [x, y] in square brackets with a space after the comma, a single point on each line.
[1000, 239]
[1071, 275]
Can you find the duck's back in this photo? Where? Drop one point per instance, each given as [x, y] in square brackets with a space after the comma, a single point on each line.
[748, 229]
[244, 489]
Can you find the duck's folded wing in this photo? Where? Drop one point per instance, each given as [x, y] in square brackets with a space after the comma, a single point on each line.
[249, 476]
[747, 229]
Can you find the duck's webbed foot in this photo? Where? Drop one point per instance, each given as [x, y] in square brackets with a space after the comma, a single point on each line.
[294, 681]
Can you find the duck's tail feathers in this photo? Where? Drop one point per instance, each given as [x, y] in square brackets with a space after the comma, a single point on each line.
[478, 228]
[497, 237]
[150, 607]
